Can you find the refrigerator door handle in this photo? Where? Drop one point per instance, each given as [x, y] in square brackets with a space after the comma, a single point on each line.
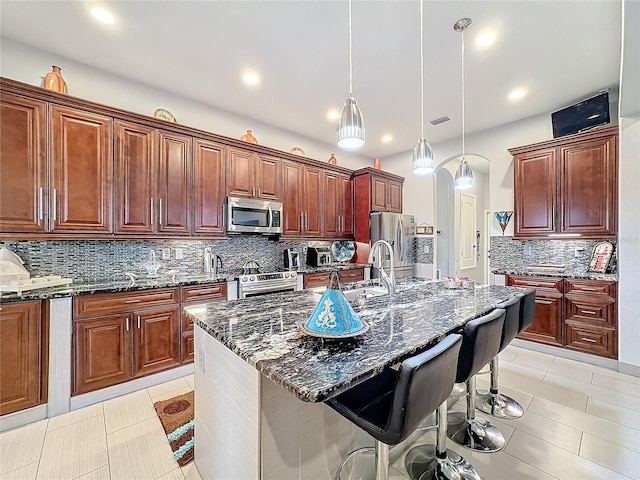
[400, 241]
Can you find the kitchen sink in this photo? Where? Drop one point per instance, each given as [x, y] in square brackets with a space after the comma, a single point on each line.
[354, 294]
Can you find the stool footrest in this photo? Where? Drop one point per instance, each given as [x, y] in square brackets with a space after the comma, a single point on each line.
[422, 463]
[499, 406]
[475, 434]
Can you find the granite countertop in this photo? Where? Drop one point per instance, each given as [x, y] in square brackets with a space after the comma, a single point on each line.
[263, 331]
[333, 267]
[613, 277]
[114, 286]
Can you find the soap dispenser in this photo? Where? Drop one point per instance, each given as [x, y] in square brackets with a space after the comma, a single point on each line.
[207, 261]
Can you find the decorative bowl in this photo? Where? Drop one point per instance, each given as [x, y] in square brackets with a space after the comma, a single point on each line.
[343, 251]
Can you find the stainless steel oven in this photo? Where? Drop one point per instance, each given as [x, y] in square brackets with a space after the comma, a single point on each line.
[265, 283]
[253, 216]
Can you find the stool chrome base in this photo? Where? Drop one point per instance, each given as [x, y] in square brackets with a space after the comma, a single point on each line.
[474, 433]
[499, 406]
[422, 463]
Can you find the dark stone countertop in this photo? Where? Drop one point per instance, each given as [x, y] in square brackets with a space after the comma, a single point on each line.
[114, 286]
[263, 331]
[613, 277]
[333, 267]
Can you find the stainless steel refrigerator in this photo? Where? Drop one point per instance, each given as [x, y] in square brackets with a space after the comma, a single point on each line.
[398, 229]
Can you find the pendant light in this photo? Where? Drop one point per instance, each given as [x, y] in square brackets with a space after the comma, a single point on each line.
[464, 174]
[350, 134]
[422, 162]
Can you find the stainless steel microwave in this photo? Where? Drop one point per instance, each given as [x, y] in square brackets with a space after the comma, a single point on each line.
[245, 215]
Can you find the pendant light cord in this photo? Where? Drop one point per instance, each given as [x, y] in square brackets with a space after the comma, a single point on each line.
[462, 50]
[350, 60]
[421, 71]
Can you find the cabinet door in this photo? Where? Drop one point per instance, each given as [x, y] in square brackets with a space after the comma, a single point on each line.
[102, 352]
[347, 206]
[379, 188]
[292, 199]
[188, 348]
[240, 174]
[156, 340]
[208, 187]
[174, 183]
[588, 190]
[23, 171]
[394, 196]
[82, 166]
[20, 356]
[547, 326]
[332, 220]
[135, 171]
[535, 182]
[312, 201]
[268, 172]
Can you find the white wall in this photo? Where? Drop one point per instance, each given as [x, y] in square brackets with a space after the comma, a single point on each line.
[29, 65]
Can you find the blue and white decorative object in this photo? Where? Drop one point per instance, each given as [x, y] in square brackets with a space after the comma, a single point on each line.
[343, 251]
[333, 316]
[503, 219]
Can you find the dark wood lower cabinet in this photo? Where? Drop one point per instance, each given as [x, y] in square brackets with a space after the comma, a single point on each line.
[102, 348]
[578, 315]
[23, 363]
[156, 341]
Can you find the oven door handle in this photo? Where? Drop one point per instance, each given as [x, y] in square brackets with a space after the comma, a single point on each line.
[270, 218]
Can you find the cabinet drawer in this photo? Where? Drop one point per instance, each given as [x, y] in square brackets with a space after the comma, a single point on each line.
[316, 280]
[354, 275]
[590, 287]
[101, 304]
[199, 293]
[536, 282]
[589, 339]
[592, 310]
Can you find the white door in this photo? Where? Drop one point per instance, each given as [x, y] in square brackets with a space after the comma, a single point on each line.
[468, 240]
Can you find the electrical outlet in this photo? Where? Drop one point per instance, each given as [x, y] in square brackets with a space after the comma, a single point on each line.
[166, 253]
[179, 254]
[426, 249]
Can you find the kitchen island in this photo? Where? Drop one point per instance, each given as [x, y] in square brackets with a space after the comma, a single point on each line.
[260, 381]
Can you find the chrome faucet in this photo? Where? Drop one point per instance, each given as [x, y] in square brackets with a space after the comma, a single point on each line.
[390, 279]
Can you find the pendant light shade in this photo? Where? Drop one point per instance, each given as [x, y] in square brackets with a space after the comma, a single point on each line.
[350, 134]
[422, 162]
[464, 176]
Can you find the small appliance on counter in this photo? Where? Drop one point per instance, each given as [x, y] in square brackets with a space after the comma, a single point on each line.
[319, 256]
[15, 278]
[291, 259]
[212, 262]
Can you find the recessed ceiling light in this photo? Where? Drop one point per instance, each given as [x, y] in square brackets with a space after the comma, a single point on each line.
[250, 78]
[386, 138]
[485, 39]
[517, 94]
[102, 15]
[333, 115]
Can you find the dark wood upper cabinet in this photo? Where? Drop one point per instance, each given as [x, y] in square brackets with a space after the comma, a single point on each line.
[135, 172]
[22, 360]
[338, 205]
[82, 171]
[347, 205]
[567, 186]
[208, 187]
[23, 168]
[251, 175]
[301, 200]
[174, 181]
[374, 191]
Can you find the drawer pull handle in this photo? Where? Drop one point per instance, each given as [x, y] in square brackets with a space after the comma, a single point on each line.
[139, 322]
[589, 289]
[532, 284]
[591, 340]
[206, 292]
[136, 300]
[590, 312]
[544, 302]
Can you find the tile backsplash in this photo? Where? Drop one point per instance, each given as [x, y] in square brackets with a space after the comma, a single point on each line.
[515, 255]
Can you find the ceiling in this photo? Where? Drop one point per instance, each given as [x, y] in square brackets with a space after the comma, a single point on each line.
[560, 51]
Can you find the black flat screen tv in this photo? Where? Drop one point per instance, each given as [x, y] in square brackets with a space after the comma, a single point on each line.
[582, 116]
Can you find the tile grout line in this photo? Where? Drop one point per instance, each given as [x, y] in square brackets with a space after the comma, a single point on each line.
[42, 448]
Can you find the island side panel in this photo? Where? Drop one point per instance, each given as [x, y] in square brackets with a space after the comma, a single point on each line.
[227, 412]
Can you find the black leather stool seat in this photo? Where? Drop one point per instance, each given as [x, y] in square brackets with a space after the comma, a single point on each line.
[493, 402]
[480, 343]
[527, 310]
[393, 404]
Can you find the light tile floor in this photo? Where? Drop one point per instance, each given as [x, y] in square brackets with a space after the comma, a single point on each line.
[581, 422]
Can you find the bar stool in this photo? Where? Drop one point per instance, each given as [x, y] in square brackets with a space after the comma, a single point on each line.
[493, 402]
[527, 310]
[480, 343]
[393, 404]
